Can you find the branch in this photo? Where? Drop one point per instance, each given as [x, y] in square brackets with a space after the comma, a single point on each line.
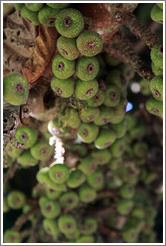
[140, 46]
[32, 202]
[10, 172]
[23, 218]
[143, 32]
[34, 229]
[25, 233]
[125, 53]
[104, 194]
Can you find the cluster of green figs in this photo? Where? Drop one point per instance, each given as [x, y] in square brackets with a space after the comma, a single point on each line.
[109, 143]
[64, 189]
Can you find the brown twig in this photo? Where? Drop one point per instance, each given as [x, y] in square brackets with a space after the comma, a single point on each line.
[10, 172]
[104, 194]
[142, 31]
[25, 233]
[32, 202]
[34, 228]
[124, 51]
[23, 218]
[101, 212]
[140, 45]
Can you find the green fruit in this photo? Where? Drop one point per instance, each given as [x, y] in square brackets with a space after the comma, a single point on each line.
[157, 56]
[140, 149]
[60, 187]
[150, 178]
[59, 173]
[18, 5]
[87, 194]
[67, 223]
[58, 5]
[116, 119]
[144, 87]
[47, 16]
[26, 135]
[157, 71]
[87, 68]
[85, 90]
[71, 118]
[90, 226]
[34, 6]
[138, 213]
[26, 159]
[50, 209]
[127, 191]
[160, 5]
[96, 180]
[154, 107]
[43, 177]
[124, 207]
[130, 121]
[102, 157]
[115, 163]
[97, 100]
[138, 132]
[89, 43]
[157, 14]
[130, 235]
[85, 239]
[79, 149]
[156, 87]
[67, 48]
[16, 199]
[150, 213]
[113, 182]
[112, 96]
[15, 89]
[50, 226]
[52, 194]
[87, 132]
[119, 111]
[69, 23]
[115, 77]
[11, 236]
[105, 138]
[76, 178]
[41, 150]
[110, 61]
[118, 148]
[120, 129]
[31, 16]
[88, 114]
[87, 165]
[69, 200]
[105, 116]
[127, 72]
[12, 151]
[63, 68]
[101, 61]
[26, 209]
[73, 235]
[54, 127]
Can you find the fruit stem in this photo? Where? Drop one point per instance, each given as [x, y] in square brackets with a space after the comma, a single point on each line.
[10, 172]
[22, 219]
